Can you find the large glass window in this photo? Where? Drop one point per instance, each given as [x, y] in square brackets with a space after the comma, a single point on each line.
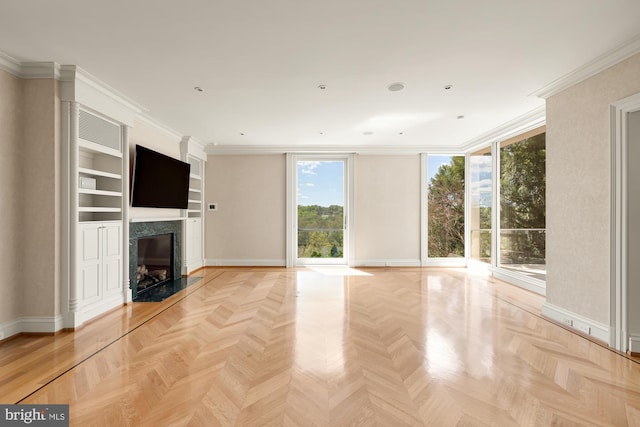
[480, 200]
[445, 206]
[320, 209]
[523, 206]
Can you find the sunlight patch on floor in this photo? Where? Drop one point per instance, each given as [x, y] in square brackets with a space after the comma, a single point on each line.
[338, 270]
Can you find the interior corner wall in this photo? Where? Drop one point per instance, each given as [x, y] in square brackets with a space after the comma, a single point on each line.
[249, 227]
[11, 194]
[152, 137]
[579, 190]
[387, 210]
[40, 186]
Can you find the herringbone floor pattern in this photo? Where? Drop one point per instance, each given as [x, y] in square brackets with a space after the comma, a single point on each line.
[328, 347]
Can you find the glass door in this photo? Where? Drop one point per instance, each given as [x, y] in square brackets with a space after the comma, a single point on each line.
[321, 211]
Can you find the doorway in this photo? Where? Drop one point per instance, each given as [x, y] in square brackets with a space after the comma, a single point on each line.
[625, 233]
[319, 210]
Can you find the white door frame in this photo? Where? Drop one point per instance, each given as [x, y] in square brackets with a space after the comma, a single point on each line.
[619, 330]
[292, 204]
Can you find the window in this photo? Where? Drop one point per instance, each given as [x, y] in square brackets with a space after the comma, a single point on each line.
[523, 205]
[445, 206]
[480, 201]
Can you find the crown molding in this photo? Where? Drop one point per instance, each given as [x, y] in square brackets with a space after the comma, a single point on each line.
[382, 150]
[29, 70]
[524, 123]
[601, 63]
[10, 65]
[73, 73]
[40, 70]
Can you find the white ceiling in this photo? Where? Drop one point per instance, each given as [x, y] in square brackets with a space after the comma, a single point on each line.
[260, 62]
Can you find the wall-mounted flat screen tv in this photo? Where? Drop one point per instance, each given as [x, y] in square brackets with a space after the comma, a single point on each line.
[159, 181]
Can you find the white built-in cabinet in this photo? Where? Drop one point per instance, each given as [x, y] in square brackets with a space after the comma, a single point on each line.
[99, 261]
[95, 188]
[193, 231]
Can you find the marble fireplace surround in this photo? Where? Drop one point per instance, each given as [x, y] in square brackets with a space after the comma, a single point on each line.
[154, 228]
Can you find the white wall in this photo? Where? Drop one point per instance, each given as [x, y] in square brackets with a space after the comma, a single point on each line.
[11, 196]
[150, 136]
[578, 190]
[249, 226]
[633, 160]
[387, 210]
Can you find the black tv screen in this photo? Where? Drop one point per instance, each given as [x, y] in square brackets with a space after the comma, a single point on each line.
[159, 181]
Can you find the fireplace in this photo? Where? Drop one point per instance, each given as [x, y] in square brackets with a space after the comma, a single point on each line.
[155, 261]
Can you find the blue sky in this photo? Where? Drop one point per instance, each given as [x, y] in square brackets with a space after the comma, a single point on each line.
[321, 183]
[434, 163]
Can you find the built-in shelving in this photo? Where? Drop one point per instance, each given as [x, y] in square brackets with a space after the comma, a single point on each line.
[100, 169]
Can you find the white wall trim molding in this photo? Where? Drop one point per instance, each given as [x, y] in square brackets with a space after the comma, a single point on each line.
[40, 70]
[41, 324]
[78, 318]
[80, 86]
[634, 343]
[519, 279]
[445, 262]
[587, 326]
[519, 125]
[220, 262]
[10, 65]
[381, 150]
[10, 328]
[387, 263]
[619, 220]
[31, 324]
[591, 68]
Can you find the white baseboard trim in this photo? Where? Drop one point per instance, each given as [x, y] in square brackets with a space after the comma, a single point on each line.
[634, 343]
[387, 263]
[84, 314]
[597, 330]
[245, 262]
[528, 283]
[31, 324]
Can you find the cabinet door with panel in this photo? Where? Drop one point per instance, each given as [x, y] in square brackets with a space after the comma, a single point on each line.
[90, 265]
[100, 266]
[194, 243]
[112, 257]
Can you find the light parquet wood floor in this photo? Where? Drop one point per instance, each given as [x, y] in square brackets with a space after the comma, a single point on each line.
[327, 347]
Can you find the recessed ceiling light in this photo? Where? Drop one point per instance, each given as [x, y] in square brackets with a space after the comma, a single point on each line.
[198, 89]
[396, 87]
[322, 87]
[448, 87]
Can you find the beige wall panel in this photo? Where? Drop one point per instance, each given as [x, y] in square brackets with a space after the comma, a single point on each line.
[578, 190]
[387, 208]
[11, 195]
[250, 221]
[41, 151]
[155, 139]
